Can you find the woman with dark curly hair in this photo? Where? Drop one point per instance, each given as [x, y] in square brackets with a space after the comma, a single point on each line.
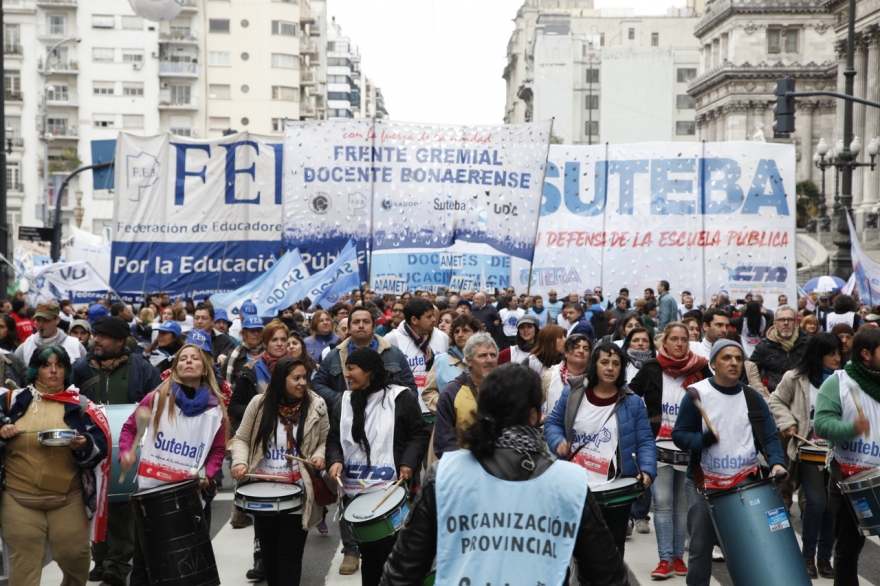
[8, 334]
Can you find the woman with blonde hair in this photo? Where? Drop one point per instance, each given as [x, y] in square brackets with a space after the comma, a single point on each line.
[188, 407]
[810, 325]
[321, 326]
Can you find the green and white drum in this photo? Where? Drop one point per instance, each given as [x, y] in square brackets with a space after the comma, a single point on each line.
[367, 525]
[429, 579]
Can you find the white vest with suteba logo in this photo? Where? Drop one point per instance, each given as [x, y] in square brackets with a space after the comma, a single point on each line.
[863, 452]
[416, 358]
[494, 531]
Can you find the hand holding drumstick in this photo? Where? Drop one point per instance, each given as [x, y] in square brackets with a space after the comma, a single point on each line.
[694, 396]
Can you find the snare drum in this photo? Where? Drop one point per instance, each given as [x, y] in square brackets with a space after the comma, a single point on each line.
[367, 525]
[809, 455]
[621, 491]
[668, 453]
[268, 498]
[863, 491]
[57, 438]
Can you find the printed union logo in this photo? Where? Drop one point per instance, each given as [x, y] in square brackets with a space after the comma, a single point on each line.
[387, 204]
[319, 203]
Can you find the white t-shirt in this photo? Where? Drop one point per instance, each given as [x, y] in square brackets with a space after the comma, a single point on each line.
[509, 317]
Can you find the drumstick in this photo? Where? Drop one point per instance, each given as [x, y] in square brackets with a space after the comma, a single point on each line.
[806, 441]
[695, 399]
[142, 418]
[265, 476]
[858, 402]
[339, 480]
[304, 461]
[387, 494]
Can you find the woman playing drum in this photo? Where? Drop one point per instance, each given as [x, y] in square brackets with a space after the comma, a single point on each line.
[186, 410]
[51, 492]
[609, 425]
[287, 419]
[377, 435]
[793, 406]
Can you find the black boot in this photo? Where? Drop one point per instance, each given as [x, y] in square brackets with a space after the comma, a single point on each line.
[257, 573]
[825, 569]
[97, 574]
[811, 567]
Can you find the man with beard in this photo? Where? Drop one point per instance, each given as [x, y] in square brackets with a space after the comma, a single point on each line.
[781, 349]
[48, 334]
[111, 374]
[844, 333]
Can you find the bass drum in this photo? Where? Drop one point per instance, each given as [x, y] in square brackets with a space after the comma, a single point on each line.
[117, 415]
[757, 538]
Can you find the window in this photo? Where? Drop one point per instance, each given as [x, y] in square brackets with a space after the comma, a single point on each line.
[338, 46]
[131, 56]
[133, 88]
[181, 131]
[57, 93]
[219, 58]
[632, 34]
[601, 39]
[103, 88]
[592, 76]
[132, 120]
[182, 126]
[791, 41]
[684, 102]
[219, 92]
[180, 94]
[281, 27]
[11, 36]
[104, 120]
[592, 128]
[218, 123]
[773, 41]
[592, 102]
[57, 125]
[338, 96]
[655, 39]
[12, 86]
[285, 94]
[14, 122]
[340, 113]
[338, 62]
[685, 74]
[339, 79]
[102, 21]
[218, 25]
[13, 176]
[57, 25]
[685, 128]
[285, 61]
[134, 23]
[277, 124]
[102, 54]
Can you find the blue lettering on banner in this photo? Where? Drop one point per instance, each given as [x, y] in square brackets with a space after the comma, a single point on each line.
[728, 462]
[172, 446]
[356, 471]
[669, 189]
[861, 447]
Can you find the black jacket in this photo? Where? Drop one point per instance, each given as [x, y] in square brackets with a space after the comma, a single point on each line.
[142, 378]
[221, 344]
[411, 433]
[416, 546]
[648, 384]
[773, 362]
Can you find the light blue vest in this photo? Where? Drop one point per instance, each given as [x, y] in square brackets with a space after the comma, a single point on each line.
[493, 531]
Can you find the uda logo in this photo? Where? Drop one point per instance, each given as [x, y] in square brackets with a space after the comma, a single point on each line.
[141, 172]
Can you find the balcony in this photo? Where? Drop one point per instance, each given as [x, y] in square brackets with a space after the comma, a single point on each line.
[56, 33]
[179, 104]
[307, 15]
[306, 110]
[11, 96]
[62, 133]
[189, 5]
[308, 47]
[59, 67]
[12, 50]
[57, 3]
[17, 142]
[178, 35]
[187, 132]
[70, 102]
[307, 78]
[178, 69]
[15, 186]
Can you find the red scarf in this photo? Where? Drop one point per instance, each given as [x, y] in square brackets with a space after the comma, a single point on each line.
[689, 366]
[270, 361]
[564, 373]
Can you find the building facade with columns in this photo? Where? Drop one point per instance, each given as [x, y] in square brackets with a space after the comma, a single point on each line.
[746, 45]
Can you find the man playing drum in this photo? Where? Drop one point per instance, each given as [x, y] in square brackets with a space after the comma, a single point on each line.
[848, 416]
[726, 456]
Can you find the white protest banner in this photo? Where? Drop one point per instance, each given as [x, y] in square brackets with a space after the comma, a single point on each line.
[426, 202]
[195, 216]
[77, 281]
[707, 217]
[866, 270]
[91, 248]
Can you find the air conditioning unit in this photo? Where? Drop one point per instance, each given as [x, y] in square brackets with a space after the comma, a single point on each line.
[165, 85]
[137, 66]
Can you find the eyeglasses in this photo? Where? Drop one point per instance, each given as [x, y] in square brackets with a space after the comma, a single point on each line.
[82, 312]
[785, 320]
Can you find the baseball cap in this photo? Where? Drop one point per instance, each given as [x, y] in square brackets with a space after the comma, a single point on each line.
[80, 323]
[527, 319]
[221, 314]
[47, 310]
[170, 326]
[96, 312]
[252, 322]
[247, 308]
[200, 339]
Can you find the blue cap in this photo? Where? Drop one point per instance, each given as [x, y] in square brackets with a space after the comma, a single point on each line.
[200, 339]
[96, 312]
[247, 308]
[252, 322]
[221, 314]
[170, 326]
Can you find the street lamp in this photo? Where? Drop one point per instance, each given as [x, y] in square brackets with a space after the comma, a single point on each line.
[842, 160]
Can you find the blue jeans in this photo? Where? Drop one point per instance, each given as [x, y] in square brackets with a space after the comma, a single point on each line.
[642, 507]
[817, 517]
[670, 512]
[702, 531]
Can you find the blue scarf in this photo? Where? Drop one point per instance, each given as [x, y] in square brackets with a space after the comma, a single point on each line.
[374, 345]
[194, 406]
[454, 351]
[826, 372]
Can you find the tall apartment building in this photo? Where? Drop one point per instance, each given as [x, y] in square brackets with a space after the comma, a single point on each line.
[220, 65]
[603, 75]
[350, 93]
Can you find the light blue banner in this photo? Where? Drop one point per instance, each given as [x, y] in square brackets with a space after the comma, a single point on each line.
[285, 277]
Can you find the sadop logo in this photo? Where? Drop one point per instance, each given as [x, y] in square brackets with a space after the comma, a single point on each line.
[388, 204]
[320, 203]
[141, 172]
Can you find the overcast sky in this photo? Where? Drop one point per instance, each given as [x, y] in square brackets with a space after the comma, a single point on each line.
[441, 61]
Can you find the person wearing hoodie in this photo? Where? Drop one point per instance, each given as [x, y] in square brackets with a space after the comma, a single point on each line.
[48, 334]
[781, 349]
[526, 335]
